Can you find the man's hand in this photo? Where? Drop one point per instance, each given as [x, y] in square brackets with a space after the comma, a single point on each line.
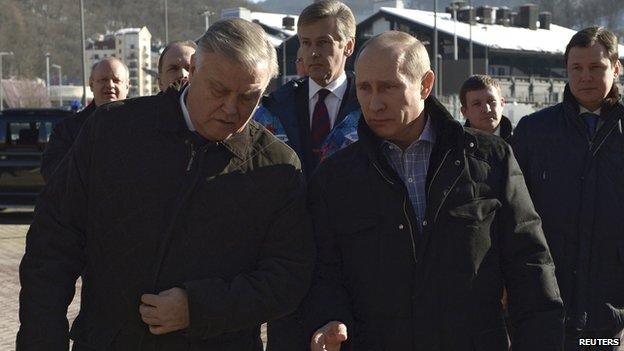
[165, 312]
[329, 337]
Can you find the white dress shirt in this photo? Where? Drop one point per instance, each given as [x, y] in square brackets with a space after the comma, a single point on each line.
[338, 88]
[187, 117]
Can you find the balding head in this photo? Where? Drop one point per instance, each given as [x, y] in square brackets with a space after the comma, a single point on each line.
[109, 80]
[407, 52]
[174, 63]
[393, 80]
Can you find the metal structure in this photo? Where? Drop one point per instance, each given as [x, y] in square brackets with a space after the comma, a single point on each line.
[10, 53]
[82, 52]
[60, 83]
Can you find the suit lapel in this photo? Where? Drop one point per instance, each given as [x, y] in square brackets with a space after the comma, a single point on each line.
[349, 100]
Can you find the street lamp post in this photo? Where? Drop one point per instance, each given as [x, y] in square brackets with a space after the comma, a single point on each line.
[207, 15]
[47, 56]
[435, 43]
[82, 52]
[470, 53]
[10, 53]
[166, 24]
[60, 83]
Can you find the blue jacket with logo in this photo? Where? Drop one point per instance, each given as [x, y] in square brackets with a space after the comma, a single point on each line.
[285, 113]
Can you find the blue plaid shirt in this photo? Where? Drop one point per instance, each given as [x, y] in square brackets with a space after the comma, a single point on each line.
[412, 165]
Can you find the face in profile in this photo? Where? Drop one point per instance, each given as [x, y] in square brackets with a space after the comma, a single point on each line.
[324, 55]
[109, 82]
[223, 94]
[392, 102]
[176, 64]
[591, 74]
[484, 108]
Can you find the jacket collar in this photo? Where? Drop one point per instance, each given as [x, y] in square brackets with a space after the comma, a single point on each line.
[449, 133]
[171, 119]
[571, 105]
[505, 127]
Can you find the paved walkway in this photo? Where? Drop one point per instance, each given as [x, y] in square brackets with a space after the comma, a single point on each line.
[12, 241]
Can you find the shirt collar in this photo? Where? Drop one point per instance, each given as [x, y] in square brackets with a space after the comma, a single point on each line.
[497, 131]
[338, 87]
[187, 117]
[584, 110]
[239, 144]
[427, 135]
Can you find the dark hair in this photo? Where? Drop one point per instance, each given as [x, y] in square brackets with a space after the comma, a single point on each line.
[476, 82]
[589, 36]
[189, 43]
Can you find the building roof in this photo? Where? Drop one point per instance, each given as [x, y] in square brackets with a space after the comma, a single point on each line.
[107, 43]
[494, 36]
[274, 20]
[128, 31]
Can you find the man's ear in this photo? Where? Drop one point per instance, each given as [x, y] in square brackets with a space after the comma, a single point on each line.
[617, 68]
[349, 47]
[426, 84]
[193, 67]
[463, 111]
[502, 101]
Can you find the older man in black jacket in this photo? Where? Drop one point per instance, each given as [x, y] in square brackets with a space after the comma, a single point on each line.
[109, 81]
[572, 156]
[421, 223]
[185, 220]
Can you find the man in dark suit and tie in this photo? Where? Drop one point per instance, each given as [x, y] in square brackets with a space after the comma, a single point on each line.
[572, 156]
[317, 115]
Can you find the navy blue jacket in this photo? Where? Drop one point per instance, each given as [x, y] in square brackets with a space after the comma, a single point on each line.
[285, 113]
[577, 185]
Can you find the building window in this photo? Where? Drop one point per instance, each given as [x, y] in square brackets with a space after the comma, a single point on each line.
[96, 56]
[131, 46]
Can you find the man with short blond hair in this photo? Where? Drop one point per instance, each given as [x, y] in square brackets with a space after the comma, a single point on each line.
[572, 157]
[185, 219]
[419, 225]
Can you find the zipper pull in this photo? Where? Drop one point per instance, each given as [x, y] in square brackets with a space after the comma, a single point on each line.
[190, 162]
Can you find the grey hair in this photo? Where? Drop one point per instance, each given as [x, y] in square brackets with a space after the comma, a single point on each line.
[330, 9]
[413, 60]
[244, 41]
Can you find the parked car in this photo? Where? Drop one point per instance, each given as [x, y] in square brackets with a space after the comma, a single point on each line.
[24, 133]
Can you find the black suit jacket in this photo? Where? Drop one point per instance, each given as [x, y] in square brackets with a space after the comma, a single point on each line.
[61, 140]
[291, 104]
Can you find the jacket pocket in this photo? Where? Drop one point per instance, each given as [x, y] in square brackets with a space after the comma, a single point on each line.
[491, 340]
[477, 209]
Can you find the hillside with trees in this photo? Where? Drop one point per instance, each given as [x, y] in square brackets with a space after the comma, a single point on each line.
[30, 28]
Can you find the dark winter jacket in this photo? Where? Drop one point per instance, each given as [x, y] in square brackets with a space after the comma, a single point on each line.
[397, 288]
[285, 113]
[141, 205]
[62, 138]
[577, 185]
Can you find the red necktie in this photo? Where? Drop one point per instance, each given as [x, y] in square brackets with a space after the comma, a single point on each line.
[320, 121]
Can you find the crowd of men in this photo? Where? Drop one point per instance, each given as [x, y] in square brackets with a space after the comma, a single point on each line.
[349, 210]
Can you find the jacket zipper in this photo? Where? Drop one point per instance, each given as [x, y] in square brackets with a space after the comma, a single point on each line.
[409, 223]
[190, 162]
[437, 171]
[602, 141]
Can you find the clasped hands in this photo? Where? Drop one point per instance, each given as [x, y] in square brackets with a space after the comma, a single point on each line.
[329, 337]
[166, 312]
